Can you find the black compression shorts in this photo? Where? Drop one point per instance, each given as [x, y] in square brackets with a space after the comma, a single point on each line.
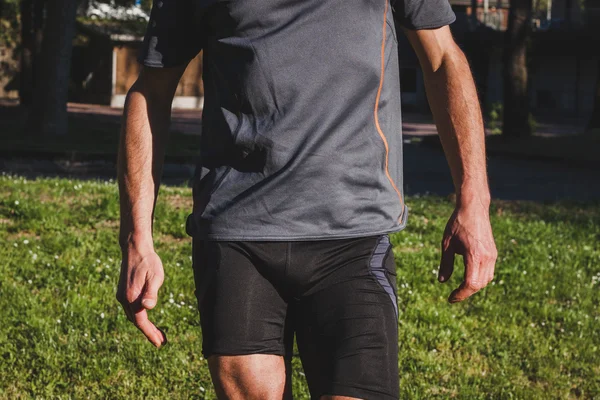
[338, 296]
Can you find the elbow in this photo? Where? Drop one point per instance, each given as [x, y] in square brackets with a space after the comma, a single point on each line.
[452, 56]
[155, 94]
[451, 59]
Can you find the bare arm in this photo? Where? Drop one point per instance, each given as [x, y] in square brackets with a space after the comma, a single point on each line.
[455, 106]
[144, 134]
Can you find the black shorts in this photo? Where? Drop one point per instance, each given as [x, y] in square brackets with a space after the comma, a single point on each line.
[337, 296]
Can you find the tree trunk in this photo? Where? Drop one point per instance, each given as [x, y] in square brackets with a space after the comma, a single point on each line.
[474, 21]
[516, 100]
[51, 92]
[32, 23]
[594, 124]
[27, 53]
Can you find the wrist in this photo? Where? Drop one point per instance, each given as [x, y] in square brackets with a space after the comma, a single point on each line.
[141, 243]
[471, 196]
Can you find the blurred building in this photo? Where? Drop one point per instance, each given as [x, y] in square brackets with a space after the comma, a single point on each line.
[105, 53]
[105, 66]
[564, 59]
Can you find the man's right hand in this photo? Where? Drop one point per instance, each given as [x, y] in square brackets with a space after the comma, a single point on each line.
[142, 275]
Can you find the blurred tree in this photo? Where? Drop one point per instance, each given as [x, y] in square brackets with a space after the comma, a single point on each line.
[9, 22]
[47, 32]
[32, 23]
[516, 120]
[592, 11]
[594, 123]
[52, 81]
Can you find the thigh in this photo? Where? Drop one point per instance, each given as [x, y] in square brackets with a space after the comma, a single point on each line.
[241, 311]
[347, 332]
[255, 376]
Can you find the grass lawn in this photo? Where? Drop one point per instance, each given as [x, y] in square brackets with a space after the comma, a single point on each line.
[533, 334]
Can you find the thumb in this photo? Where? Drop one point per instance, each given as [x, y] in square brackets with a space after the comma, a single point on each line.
[150, 296]
[447, 262]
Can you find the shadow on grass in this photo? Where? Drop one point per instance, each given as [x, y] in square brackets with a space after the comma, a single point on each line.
[564, 211]
[86, 139]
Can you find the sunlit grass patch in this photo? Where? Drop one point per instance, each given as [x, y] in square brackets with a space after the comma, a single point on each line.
[534, 333]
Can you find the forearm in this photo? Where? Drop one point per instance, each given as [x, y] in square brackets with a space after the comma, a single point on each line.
[141, 156]
[455, 106]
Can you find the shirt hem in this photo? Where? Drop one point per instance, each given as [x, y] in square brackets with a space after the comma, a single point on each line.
[431, 25]
[301, 238]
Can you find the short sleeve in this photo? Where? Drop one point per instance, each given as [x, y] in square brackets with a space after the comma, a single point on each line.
[173, 36]
[423, 14]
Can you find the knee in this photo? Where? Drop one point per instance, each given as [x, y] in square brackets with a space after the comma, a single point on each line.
[256, 376]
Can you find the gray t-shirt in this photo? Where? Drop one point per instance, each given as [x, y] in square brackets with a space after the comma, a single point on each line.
[301, 128]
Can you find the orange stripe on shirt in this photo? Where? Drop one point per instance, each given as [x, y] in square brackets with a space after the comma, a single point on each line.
[376, 112]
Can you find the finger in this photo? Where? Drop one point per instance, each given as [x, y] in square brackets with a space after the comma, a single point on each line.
[154, 335]
[473, 280]
[447, 262]
[461, 293]
[125, 304]
[150, 294]
[489, 271]
[128, 312]
[491, 265]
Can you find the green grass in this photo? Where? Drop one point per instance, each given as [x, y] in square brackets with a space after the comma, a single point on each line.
[533, 334]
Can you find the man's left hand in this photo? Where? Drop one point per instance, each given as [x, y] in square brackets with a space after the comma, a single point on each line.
[469, 233]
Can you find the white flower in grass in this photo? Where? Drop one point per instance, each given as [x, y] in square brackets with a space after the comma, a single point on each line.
[202, 389]
[30, 281]
[171, 301]
[56, 256]
[177, 264]
[58, 321]
[102, 315]
[25, 241]
[16, 202]
[16, 244]
[34, 256]
[182, 303]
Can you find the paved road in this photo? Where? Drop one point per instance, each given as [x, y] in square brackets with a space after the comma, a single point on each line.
[510, 179]
[425, 168]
